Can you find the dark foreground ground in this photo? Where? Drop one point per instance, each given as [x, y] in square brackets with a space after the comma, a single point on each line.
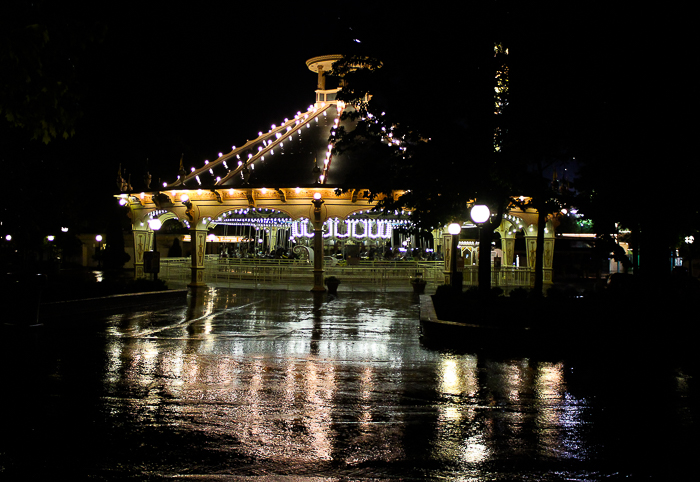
[281, 385]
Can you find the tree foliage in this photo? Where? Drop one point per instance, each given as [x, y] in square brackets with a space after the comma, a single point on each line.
[41, 49]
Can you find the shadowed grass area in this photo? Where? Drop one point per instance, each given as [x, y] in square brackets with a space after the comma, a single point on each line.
[80, 284]
[632, 315]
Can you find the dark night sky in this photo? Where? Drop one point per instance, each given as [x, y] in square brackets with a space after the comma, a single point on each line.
[196, 80]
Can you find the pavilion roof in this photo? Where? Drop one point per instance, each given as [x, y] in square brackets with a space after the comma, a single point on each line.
[295, 153]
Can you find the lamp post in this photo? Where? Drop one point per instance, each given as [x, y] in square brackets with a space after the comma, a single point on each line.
[318, 243]
[98, 238]
[152, 261]
[456, 277]
[480, 214]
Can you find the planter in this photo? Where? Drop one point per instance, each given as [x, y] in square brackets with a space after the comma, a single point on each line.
[469, 335]
[332, 285]
[418, 285]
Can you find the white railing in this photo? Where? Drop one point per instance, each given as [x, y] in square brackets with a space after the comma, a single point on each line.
[505, 276]
[259, 270]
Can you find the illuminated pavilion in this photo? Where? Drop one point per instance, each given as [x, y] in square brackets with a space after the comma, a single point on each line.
[284, 182]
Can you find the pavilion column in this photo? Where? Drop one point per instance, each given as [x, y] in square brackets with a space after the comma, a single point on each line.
[437, 241]
[318, 257]
[548, 257]
[142, 243]
[530, 255]
[198, 244]
[508, 246]
[448, 245]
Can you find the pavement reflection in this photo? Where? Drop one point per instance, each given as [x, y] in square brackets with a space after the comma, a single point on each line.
[251, 383]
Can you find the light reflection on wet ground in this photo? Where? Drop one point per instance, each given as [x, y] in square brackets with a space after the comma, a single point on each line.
[268, 383]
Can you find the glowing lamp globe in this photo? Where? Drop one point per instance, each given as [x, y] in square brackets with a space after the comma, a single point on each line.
[454, 228]
[480, 213]
[154, 224]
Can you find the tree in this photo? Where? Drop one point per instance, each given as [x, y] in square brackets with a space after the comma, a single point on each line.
[41, 51]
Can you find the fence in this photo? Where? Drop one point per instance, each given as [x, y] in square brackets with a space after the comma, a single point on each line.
[292, 271]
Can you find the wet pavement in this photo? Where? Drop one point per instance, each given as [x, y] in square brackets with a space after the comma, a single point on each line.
[243, 384]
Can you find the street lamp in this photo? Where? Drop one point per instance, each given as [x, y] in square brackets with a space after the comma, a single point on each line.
[98, 238]
[456, 277]
[317, 202]
[480, 214]
[152, 261]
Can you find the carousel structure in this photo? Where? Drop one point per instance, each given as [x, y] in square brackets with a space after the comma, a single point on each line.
[281, 190]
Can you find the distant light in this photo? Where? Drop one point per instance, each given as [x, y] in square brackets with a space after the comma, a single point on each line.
[454, 228]
[50, 237]
[317, 196]
[64, 230]
[8, 237]
[98, 238]
[122, 201]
